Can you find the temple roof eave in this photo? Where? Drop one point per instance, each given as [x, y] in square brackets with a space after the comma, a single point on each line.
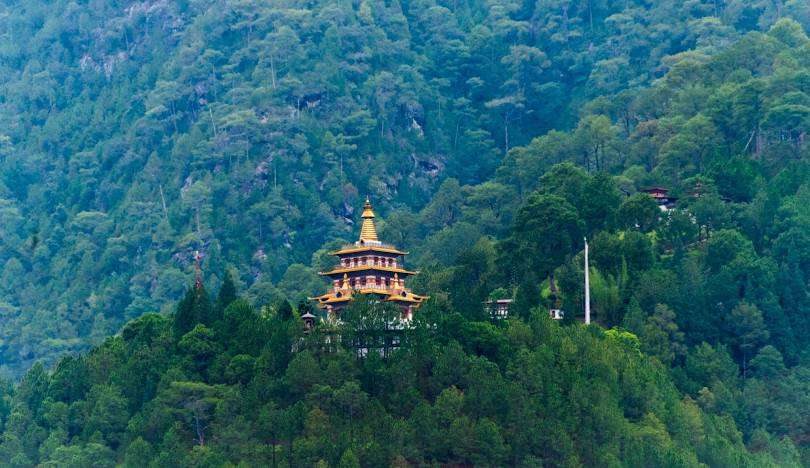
[330, 298]
[390, 296]
[342, 271]
[412, 298]
[353, 249]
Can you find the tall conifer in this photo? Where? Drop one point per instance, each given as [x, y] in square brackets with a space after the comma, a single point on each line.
[184, 318]
[227, 294]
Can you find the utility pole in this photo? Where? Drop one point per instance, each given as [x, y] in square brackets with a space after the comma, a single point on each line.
[587, 287]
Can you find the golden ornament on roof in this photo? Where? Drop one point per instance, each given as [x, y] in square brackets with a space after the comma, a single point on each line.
[368, 231]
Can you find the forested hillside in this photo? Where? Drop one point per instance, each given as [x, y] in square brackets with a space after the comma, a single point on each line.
[527, 392]
[492, 137]
[134, 133]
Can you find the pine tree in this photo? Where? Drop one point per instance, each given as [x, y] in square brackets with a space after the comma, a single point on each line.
[349, 460]
[184, 318]
[194, 308]
[203, 309]
[227, 294]
[284, 310]
[527, 295]
[748, 331]
[634, 318]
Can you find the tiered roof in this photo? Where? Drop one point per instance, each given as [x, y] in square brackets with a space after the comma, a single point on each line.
[368, 257]
[381, 248]
[337, 272]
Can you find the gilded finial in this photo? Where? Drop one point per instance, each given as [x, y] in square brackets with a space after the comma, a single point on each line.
[368, 231]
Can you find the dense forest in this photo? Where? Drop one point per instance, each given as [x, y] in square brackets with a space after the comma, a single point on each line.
[492, 137]
[134, 133]
[526, 392]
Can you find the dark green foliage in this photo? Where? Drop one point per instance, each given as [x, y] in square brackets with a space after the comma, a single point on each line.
[547, 230]
[639, 211]
[768, 363]
[527, 294]
[284, 310]
[242, 329]
[70, 380]
[226, 295]
[473, 278]
[195, 308]
[200, 348]
[492, 138]
[133, 137]
[460, 392]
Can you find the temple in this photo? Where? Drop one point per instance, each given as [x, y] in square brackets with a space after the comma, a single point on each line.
[372, 268]
[662, 197]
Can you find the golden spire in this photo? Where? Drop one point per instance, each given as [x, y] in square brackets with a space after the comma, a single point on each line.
[368, 232]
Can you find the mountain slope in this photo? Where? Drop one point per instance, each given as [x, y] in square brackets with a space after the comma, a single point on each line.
[463, 393]
[134, 133]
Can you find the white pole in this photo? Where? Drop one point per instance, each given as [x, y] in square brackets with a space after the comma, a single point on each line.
[587, 287]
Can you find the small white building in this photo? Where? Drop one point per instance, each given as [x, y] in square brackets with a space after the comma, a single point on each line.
[498, 309]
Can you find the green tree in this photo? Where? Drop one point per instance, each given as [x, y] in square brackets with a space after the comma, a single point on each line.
[472, 278]
[107, 415]
[690, 149]
[139, 453]
[545, 232]
[660, 336]
[747, 330]
[639, 211]
[226, 295]
[349, 460]
[194, 308]
[193, 403]
[200, 346]
[768, 364]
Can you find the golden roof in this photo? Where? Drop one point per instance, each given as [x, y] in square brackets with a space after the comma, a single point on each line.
[368, 232]
[333, 297]
[351, 249]
[345, 270]
[407, 297]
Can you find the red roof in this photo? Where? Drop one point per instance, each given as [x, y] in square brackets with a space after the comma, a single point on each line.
[660, 190]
